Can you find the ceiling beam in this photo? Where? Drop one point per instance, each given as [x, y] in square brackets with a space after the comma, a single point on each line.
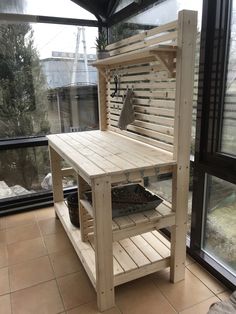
[112, 5]
[93, 7]
[26, 18]
[130, 10]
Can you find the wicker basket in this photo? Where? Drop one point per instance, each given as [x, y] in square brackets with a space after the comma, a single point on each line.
[72, 202]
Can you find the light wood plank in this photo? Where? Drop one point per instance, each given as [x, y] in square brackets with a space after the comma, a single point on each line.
[124, 259]
[156, 244]
[101, 196]
[187, 25]
[139, 258]
[146, 248]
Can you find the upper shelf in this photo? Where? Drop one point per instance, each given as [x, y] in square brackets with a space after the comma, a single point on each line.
[161, 52]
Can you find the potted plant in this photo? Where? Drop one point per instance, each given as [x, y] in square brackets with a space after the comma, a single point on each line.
[101, 43]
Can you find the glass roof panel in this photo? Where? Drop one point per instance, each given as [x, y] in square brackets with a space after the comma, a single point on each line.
[55, 8]
[122, 4]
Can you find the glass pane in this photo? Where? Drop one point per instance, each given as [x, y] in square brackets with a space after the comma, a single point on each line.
[228, 136]
[122, 4]
[47, 82]
[26, 171]
[162, 186]
[23, 171]
[219, 235]
[56, 8]
[159, 14]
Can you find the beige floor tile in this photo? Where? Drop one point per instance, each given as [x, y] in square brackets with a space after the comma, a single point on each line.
[212, 283]
[185, 293]
[50, 226]
[4, 281]
[65, 262]
[76, 290]
[30, 273]
[2, 223]
[200, 308]
[20, 219]
[22, 233]
[45, 213]
[57, 242]
[141, 296]
[3, 255]
[91, 308]
[26, 250]
[43, 298]
[5, 304]
[3, 236]
[224, 295]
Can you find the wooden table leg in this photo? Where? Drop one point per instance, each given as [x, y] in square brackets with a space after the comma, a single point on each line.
[83, 214]
[57, 186]
[101, 191]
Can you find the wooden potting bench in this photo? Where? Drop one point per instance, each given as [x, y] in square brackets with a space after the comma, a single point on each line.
[158, 65]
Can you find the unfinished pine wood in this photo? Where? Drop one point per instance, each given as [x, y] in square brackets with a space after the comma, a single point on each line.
[141, 36]
[101, 196]
[129, 255]
[132, 56]
[187, 22]
[90, 158]
[158, 65]
[82, 187]
[55, 160]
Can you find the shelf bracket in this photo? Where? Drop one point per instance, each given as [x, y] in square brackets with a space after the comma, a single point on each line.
[103, 72]
[167, 60]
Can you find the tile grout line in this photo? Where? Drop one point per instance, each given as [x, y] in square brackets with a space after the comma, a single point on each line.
[168, 301]
[59, 292]
[206, 284]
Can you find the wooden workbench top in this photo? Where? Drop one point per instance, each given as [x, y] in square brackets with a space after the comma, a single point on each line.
[99, 153]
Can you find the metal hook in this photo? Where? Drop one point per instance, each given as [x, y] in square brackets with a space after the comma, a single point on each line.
[116, 85]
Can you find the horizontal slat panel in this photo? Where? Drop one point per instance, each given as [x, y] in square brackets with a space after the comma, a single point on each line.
[141, 36]
[144, 139]
[145, 43]
[142, 85]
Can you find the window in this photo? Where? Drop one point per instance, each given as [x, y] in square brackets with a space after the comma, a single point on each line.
[219, 236]
[47, 85]
[213, 212]
[57, 8]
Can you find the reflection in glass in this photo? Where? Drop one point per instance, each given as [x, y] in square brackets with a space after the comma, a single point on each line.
[57, 8]
[27, 171]
[160, 13]
[47, 82]
[23, 171]
[228, 133]
[219, 235]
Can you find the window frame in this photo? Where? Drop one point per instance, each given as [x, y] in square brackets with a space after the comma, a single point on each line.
[214, 50]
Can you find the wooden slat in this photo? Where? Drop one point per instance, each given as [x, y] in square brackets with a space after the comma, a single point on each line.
[110, 140]
[83, 249]
[156, 244]
[77, 161]
[146, 248]
[123, 222]
[137, 256]
[133, 56]
[142, 85]
[124, 259]
[141, 36]
[147, 140]
[140, 272]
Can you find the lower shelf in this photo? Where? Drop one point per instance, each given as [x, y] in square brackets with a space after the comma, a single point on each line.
[133, 257]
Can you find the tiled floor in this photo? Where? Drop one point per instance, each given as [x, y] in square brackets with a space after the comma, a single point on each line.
[41, 274]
